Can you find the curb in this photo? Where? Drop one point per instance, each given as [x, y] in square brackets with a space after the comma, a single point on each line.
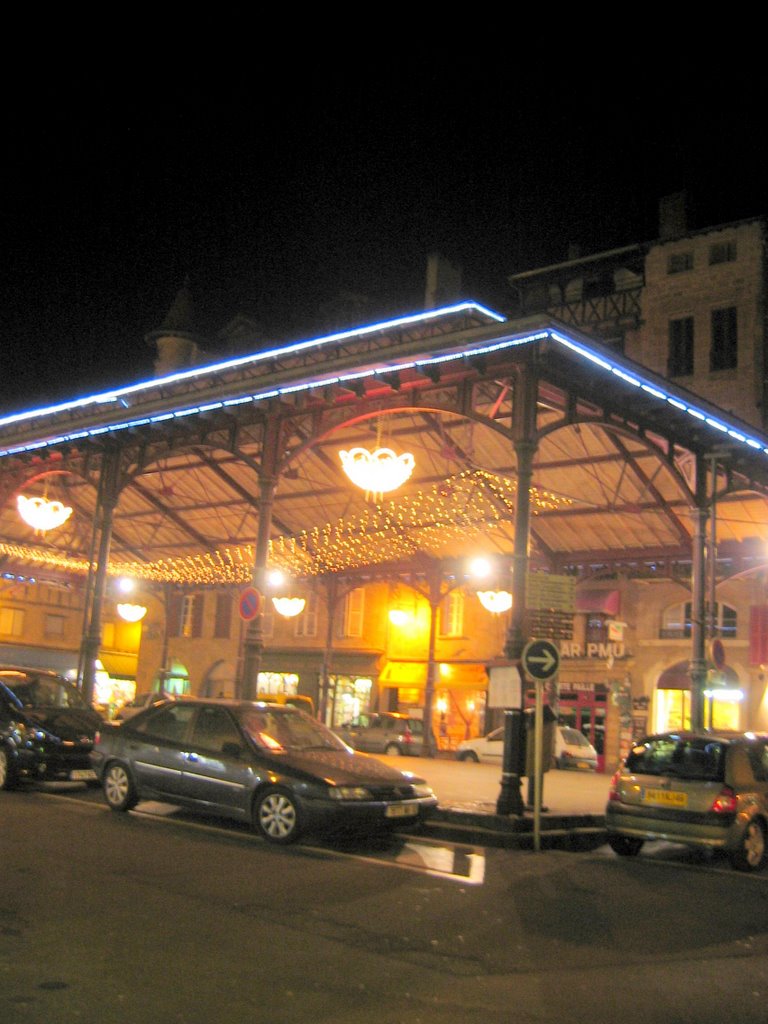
[556, 831]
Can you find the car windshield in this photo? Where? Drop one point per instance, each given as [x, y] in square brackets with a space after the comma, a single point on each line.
[575, 738]
[46, 693]
[294, 731]
[698, 757]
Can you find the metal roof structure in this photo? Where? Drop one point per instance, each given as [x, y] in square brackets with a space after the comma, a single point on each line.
[614, 470]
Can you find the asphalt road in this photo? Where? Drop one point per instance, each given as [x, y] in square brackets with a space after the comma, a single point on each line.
[125, 919]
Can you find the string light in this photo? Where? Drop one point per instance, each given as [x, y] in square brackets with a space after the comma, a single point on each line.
[462, 508]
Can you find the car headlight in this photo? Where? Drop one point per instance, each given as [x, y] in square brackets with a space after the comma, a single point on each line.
[423, 790]
[350, 793]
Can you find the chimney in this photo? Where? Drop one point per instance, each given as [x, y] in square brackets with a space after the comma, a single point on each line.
[443, 282]
[673, 216]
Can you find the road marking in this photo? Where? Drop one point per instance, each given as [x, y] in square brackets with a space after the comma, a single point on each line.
[438, 858]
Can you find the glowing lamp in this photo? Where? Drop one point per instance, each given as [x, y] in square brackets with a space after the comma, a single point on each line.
[289, 607]
[398, 617]
[131, 612]
[495, 601]
[42, 514]
[378, 471]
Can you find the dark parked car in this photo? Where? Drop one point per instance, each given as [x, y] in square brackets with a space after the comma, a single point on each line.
[384, 732]
[706, 790]
[270, 765]
[46, 728]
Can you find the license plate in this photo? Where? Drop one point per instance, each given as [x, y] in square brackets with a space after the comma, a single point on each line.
[583, 764]
[401, 810]
[665, 798]
[82, 775]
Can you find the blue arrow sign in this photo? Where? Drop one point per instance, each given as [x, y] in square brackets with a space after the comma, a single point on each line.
[541, 659]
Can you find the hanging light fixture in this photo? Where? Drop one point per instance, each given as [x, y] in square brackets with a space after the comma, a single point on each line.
[495, 601]
[131, 612]
[289, 607]
[378, 471]
[42, 514]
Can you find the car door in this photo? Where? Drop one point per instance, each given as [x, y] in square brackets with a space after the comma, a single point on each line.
[490, 749]
[355, 732]
[218, 765]
[156, 749]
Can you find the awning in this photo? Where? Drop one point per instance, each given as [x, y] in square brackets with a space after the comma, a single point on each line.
[448, 676]
[119, 666]
[63, 662]
[593, 600]
[677, 676]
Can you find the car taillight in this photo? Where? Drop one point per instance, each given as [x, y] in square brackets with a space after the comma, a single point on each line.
[613, 792]
[96, 737]
[725, 802]
[407, 735]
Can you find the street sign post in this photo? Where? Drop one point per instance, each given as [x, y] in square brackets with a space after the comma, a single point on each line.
[541, 660]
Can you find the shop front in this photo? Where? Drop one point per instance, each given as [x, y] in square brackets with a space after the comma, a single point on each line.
[459, 702]
[723, 698]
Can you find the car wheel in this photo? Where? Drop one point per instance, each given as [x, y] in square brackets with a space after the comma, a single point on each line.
[7, 774]
[625, 846]
[119, 789]
[752, 851]
[277, 816]
[393, 750]
[469, 755]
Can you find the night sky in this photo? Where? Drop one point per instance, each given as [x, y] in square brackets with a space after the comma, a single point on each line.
[273, 195]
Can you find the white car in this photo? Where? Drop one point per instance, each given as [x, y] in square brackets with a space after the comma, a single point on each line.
[572, 749]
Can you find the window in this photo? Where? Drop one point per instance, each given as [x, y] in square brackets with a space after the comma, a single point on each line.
[306, 623]
[452, 614]
[722, 252]
[168, 723]
[680, 362]
[724, 351]
[676, 621]
[213, 729]
[192, 615]
[679, 262]
[11, 621]
[54, 625]
[596, 630]
[223, 624]
[354, 606]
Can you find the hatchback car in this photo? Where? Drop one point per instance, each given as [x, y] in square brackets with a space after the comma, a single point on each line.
[269, 765]
[46, 728]
[385, 732]
[571, 749]
[705, 790]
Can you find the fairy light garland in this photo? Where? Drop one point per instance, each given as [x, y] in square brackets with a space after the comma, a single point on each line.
[459, 508]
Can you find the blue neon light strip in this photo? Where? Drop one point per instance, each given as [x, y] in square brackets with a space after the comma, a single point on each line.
[655, 390]
[385, 325]
[581, 350]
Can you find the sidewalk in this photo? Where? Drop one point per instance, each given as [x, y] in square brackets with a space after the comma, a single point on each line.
[573, 804]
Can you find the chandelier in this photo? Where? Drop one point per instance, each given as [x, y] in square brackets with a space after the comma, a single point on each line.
[289, 607]
[42, 514]
[378, 471]
[495, 601]
[131, 612]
